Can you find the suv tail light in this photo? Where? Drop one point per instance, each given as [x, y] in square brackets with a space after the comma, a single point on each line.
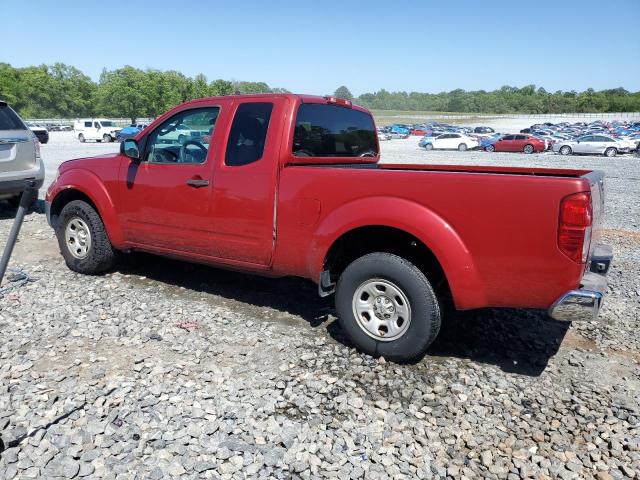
[36, 143]
[574, 226]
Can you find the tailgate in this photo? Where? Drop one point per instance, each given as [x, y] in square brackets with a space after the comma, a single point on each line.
[17, 151]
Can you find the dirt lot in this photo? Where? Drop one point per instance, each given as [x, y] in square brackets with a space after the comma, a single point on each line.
[168, 370]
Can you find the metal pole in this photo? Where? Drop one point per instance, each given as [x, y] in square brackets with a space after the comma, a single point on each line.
[26, 200]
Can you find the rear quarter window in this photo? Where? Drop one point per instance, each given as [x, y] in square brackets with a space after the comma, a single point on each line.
[9, 120]
[333, 131]
[248, 134]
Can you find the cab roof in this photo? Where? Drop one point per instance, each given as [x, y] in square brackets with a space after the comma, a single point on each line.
[295, 97]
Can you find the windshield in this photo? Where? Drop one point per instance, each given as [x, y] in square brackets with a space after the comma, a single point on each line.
[9, 120]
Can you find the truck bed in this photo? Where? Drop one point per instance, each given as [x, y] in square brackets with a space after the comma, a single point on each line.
[503, 220]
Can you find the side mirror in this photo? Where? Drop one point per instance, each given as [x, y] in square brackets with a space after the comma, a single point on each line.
[129, 148]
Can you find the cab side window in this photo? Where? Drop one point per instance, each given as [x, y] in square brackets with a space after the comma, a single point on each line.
[248, 134]
[184, 138]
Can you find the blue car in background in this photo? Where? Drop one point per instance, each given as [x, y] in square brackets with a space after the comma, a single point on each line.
[400, 129]
[129, 132]
[486, 141]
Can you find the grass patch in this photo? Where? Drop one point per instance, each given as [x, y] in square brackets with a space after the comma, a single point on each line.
[385, 117]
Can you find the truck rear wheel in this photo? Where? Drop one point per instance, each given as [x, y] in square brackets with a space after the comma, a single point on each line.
[387, 307]
[83, 240]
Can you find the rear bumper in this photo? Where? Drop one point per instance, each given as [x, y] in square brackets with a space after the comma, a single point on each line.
[11, 185]
[583, 304]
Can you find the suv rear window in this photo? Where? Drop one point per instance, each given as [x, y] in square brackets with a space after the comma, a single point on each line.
[333, 131]
[9, 120]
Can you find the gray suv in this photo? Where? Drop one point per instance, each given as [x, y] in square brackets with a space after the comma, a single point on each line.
[19, 155]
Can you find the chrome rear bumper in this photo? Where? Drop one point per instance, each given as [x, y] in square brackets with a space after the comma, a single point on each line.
[583, 304]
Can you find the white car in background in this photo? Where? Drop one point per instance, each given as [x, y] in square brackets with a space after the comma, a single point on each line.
[180, 134]
[98, 129]
[450, 141]
[595, 145]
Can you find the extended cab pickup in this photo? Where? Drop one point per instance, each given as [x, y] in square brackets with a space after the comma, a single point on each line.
[292, 185]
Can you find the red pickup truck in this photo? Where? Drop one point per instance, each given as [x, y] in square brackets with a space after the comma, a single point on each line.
[292, 185]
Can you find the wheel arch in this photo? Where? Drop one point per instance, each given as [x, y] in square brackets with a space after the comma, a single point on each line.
[404, 227]
[85, 186]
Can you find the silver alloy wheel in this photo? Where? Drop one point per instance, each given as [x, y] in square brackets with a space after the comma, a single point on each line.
[490, 148]
[528, 149]
[106, 138]
[565, 150]
[462, 147]
[381, 309]
[78, 238]
[428, 146]
[610, 152]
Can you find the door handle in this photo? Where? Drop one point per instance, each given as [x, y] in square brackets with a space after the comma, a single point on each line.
[197, 182]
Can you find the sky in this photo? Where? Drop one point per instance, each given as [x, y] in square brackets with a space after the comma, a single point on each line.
[314, 47]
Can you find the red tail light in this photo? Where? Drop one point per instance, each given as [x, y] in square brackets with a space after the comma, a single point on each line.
[574, 227]
[339, 101]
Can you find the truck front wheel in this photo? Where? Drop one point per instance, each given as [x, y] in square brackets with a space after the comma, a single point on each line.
[82, 238]
[387, 307]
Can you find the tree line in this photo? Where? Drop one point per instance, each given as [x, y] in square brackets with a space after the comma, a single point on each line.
[528, 99]
[63, 91]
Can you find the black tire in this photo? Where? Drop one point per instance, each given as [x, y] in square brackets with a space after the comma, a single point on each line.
[81, 138]
[610, 152]
[428, 146]
[490, 148]
[101, 255]
[425, 317]
[528, 149]
[565, 150]
[106, 138]
[462, 147]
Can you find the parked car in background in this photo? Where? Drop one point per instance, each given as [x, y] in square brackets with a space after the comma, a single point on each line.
[396, 135]
[594, 145]
[40, 131]
[450, 141]
[127, 132]
[382, 135]
[484, 142]
[98, 129]
[517, 143]
[19, 155]
[483, 130]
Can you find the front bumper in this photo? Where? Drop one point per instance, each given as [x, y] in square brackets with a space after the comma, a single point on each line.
[583, 304]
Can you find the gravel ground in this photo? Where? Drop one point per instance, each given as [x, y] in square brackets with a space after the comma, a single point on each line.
[163, 369]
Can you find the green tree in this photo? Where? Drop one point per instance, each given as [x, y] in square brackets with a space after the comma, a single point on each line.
[124, 93]
[220, 88]
[343, 92]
